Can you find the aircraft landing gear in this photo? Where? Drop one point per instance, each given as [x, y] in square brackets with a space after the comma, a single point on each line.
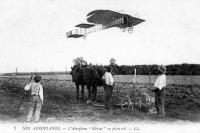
[84, 37]
[123, 29]
[130, 30]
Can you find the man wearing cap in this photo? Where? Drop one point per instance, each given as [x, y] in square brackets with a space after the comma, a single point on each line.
[108, 86]
[159, 85]
[36, 99]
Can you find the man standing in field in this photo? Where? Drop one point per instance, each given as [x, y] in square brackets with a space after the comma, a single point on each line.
[36, 98]
[108, 87]
[159, 85]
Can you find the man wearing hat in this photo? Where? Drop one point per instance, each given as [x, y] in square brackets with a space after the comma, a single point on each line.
[159, 85]
[36, 99]
[108, 87]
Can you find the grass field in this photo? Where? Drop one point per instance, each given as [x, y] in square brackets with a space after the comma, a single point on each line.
[182, 100]
[179, 80]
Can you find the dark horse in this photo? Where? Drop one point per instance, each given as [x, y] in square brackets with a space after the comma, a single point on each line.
[91, 76]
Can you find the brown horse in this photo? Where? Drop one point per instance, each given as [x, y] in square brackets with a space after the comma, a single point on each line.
[91, 76]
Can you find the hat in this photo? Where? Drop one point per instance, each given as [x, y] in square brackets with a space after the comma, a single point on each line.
[162, 68]
[109, 68]
[37, 78]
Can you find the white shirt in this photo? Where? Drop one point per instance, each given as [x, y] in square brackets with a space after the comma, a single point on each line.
[160, 82]
[36, 88]
[108, 78]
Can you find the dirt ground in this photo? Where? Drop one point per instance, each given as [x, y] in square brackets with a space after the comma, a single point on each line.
[182, 103]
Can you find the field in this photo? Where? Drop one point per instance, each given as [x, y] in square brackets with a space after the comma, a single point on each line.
[182, 100]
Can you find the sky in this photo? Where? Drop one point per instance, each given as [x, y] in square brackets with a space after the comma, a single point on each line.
[33, 34]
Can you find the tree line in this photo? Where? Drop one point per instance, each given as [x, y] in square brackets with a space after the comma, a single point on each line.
[174, 69]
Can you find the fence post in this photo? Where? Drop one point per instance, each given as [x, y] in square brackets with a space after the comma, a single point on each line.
[16, 70]
[134, 76]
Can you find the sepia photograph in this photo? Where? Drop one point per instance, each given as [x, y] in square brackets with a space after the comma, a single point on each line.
[119, 66]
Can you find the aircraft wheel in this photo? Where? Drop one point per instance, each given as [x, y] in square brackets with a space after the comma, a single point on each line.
[84, 37]
[123, 29]
[130, 29]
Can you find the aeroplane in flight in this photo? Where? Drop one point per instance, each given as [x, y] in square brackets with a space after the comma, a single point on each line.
[104, 19]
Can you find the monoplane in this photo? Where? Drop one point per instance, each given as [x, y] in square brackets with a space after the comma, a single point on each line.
[104, 19]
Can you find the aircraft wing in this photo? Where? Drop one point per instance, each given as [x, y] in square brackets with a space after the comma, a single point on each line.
[103, 17]
[75, 36]
[85, 25]
[79, 32]
[94, 12]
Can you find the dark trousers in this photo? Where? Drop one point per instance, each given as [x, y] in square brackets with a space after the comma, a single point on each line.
[159, 102]
[108, 90]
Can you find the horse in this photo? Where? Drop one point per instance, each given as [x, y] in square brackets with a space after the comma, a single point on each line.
[77, 78]
[91, 76]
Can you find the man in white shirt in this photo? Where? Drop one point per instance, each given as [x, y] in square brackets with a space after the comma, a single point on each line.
[159, 85]
[108, 86]
[36, 98]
